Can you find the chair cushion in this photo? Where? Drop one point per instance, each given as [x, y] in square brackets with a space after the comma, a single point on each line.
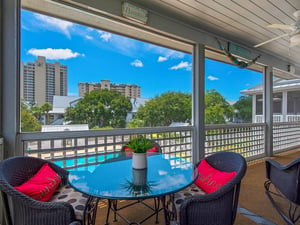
[42, 185]
[187, 192]
[211, 179]
[68, 194]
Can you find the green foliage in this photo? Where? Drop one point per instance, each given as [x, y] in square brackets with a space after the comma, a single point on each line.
[244, 106]
[139, 144]
[102, 128]
[28, 121]
[45, 108]
[135, 123]
[100, 108]
[216, 108]
[165, 109]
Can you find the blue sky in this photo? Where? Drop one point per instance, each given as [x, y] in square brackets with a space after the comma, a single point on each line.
[92, 55]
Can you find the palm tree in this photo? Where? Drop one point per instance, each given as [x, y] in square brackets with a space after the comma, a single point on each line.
[46, 107]
[37, 112]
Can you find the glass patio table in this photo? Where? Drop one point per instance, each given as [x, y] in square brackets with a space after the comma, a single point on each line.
[165, 175]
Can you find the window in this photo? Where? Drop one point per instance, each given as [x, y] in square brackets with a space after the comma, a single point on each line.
[259, 105]
[293, 102]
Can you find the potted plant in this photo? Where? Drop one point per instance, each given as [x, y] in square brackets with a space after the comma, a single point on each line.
[139, 146]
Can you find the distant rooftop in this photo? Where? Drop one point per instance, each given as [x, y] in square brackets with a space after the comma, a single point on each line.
[278, 85]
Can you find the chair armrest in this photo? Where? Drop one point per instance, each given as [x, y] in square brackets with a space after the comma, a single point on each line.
[75, 223]
[215, 204]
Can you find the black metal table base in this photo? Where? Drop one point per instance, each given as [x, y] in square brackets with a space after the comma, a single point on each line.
[169, 208]
[113, 205]
[168, 205]
[90, 211]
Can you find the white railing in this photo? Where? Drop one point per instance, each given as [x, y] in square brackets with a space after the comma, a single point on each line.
[276, 119]
[293, 118]
[245, 139]
[87, 148]
[279, 118]
[286, 136]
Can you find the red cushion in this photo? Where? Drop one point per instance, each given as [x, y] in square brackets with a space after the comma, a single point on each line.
[211, 179]
[151, 151]
[42, 185]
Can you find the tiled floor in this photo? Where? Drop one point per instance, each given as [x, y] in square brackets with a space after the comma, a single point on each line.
[254, 207]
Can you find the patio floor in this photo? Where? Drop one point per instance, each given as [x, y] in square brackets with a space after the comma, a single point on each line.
[253, 203]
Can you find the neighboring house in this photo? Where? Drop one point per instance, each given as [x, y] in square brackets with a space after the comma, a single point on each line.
[178, 124]
[136, 103]
[60, 104]
[69, 127]
[286, 101]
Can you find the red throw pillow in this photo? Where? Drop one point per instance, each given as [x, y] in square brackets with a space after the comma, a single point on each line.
[42, 185]
[211, 179]
[151, 151]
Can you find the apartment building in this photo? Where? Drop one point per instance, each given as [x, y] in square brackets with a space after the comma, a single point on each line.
[41, 80]
[128, 90]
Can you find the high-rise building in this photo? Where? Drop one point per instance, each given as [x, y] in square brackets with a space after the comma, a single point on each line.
[128, 90]
[41, 80]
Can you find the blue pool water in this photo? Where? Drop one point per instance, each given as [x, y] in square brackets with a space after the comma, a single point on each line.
[81, 162]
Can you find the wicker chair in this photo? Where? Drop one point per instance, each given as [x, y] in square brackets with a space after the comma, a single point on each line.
[220, 206]
[284, 183]
[19, 209]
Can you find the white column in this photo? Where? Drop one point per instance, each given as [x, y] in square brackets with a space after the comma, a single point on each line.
[284, 107]
[254, 109]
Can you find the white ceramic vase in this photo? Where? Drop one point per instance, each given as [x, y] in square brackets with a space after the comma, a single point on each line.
[139, 160]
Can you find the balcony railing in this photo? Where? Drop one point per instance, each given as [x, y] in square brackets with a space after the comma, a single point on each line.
[246, 139]
[88, 148]
[286, 136]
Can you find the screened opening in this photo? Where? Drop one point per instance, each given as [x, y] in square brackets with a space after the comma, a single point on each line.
[78, 77]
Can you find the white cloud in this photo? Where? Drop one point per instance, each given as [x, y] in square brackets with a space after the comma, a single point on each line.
[54, 54]
[182, 65]
[162, 59]
[105, 36]
[55, 23]
[212, 78]
[137, 63]
[88, 37]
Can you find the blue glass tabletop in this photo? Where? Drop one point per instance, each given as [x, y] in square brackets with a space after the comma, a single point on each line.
[165, 174]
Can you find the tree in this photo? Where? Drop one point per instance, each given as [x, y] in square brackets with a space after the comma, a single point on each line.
[244, 107]
[167, 108]
[45, 108]
[28, 121]
[100, 108]
[37, 112]
[217, 109]
[135, 123]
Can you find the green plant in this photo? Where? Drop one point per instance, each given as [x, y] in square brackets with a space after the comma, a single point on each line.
[139, 144]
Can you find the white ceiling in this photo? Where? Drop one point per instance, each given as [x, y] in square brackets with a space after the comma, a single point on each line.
[242, 21]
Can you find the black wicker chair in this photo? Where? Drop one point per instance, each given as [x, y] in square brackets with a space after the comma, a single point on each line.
[20, 209]
[219, 207]
[284, 183]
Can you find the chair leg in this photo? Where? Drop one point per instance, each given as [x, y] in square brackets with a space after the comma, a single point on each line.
[292, 218]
